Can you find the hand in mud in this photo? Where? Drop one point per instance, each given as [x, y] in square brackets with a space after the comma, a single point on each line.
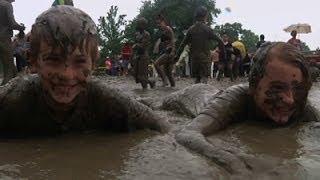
[197, 142]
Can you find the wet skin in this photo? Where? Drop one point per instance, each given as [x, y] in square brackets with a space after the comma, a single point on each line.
[280, 91]
[63, 77]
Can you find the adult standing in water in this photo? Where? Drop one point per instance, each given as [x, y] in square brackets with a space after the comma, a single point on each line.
[165, 62]
[199, 36]
[141, 54]
[7, 25]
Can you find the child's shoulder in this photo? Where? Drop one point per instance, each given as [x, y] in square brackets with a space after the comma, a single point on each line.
[20, 89]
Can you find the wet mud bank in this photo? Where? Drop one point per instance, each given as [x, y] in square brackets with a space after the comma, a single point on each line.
[282, 153]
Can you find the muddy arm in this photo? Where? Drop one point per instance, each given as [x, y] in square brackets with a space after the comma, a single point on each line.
[137, 114]
[184, 42]
[142, 116]
[156, 46]
[172, 42]
[5, 91]
[223, 110]
[222, 50]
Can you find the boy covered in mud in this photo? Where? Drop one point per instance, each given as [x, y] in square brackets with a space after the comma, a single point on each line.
[63, 97]
[277, 93]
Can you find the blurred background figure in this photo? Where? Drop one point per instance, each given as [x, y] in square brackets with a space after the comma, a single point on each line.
[63, 2]
[261, 41]
[294, 41]
[20, 48]
[7, 25]
[126, 53]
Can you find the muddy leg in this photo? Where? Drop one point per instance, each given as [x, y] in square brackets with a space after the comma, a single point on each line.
[158, 65]
[168, 70]
[204, 72]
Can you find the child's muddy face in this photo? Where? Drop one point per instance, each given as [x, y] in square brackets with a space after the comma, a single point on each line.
[63, 76]
[280, 92]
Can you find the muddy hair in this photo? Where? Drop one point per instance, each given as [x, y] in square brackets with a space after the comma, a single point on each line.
[142, 23]
[160, 17]
[283, 52]
[67, 28]
[200, 13]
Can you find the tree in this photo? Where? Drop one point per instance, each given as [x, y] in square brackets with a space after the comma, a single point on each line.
[111, 32]
[235, 32]
[249, 39]
[232, 30]
[304, 46]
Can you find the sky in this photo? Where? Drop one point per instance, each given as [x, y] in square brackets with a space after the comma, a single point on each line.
[268, 17]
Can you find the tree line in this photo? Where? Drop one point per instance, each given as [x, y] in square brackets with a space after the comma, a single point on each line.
[113, 28]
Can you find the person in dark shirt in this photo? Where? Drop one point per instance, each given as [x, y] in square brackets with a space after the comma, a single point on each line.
[7, 25]
[63, 97]
[199, 36]
[279, 84]
[261, 41]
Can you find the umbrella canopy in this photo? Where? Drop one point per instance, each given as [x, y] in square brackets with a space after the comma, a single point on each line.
[300, 28]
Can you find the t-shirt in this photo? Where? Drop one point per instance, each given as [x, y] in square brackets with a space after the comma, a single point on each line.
[24, 111]
[235, 105]
[200, 37]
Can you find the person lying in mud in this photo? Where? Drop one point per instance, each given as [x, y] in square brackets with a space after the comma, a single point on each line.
[63, 97]
[276, 96]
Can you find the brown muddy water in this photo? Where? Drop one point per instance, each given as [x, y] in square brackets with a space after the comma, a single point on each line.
[284, 153]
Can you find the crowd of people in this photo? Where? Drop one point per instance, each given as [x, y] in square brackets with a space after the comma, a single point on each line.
[193, 58]
[65, 98]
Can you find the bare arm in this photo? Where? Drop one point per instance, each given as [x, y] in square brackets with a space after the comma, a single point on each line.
[172, 41]
[184, 42]
[222, 50]
[156, 46]
[222, 111]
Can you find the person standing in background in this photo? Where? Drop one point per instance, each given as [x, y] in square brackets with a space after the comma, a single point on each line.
[261, 41]
[7, 25]
[165, 62]
[199, 36]
[63, 2]
[294, 41]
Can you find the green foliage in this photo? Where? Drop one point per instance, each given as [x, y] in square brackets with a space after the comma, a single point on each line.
[111, 33]
[232, 30]
[304, 46]
[249, 39]
[178, 13]
[236, 31]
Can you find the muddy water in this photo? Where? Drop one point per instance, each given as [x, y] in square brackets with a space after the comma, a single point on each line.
[286, 153]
